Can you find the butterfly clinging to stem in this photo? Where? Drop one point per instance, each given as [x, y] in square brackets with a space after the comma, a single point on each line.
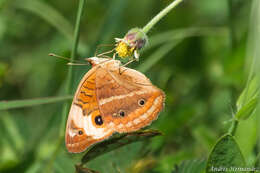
[107, 101]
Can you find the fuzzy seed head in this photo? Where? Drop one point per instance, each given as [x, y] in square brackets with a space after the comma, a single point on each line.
[123, 50]
[131, 44]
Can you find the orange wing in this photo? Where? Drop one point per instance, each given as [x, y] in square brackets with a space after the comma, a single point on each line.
[86, 96]
[107, 102]
[85, 125]
[128, 101]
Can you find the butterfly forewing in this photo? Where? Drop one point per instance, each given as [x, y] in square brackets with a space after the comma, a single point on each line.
[84, 127]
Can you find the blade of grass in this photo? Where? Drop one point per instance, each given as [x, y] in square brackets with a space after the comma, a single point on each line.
[232, 27]
[157, 56]
[11, 133]
[172, 39]
[68, 87]
[252, 49]
[252, 56]
[111, 22]
[183, 33]
[49, 14]
[5, 105]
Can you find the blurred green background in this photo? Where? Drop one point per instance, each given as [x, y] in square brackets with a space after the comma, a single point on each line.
[198, 54]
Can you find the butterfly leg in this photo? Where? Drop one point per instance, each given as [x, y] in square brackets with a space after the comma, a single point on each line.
[104, 53]
[114, 56]
[104, 56]
[129, 62]
[124, 65]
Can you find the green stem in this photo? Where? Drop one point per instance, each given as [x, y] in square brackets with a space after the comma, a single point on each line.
[159, 16]
[253, 47]
[232, 28]
[233, 128]
[5, 105]
[68, 86]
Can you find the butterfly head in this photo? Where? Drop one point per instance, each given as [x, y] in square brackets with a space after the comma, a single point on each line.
[104, 61]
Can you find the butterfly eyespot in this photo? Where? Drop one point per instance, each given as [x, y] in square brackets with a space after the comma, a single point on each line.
[121, 113]
[98, 120]
[80, 132]
[141, 102]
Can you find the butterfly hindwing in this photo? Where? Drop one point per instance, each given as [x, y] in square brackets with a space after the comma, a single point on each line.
[128, 101]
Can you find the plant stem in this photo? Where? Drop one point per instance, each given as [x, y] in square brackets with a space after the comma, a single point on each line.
[233, 128]
[68, 85]
[232, 28]
[13, 104]
[252, 52]
[159, 16]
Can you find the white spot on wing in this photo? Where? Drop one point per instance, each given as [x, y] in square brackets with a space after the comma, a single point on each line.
[136, 121]
[111, 125]
[92, 130]
[120, 126]
[155, 104]
[71, 133]
[109, 99]
[76, 116]
[145, 115]
[129, 124]
[85, 122]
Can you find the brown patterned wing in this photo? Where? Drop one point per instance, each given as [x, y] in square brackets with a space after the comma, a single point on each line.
[85, 125]
[127, 101]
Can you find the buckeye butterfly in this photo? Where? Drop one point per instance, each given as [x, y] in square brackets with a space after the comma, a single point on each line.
[109, 101]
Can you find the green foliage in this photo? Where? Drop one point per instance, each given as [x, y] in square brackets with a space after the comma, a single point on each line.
[4, 105]
[80, 169]
[116, 142]
[200, 54]
[191, 166]
[247, 102]
[47, 13]
[225, 155]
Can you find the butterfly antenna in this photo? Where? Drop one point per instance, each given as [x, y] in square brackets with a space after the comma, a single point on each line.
[103, 45]
[71, 63]
[66, 58]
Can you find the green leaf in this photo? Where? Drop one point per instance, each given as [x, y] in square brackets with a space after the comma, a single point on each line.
[249, 93]
[247, 109]
[4, 105]
[225, 155]
[190, 166]
[247, 101]
[248, 130]
[117, 141]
